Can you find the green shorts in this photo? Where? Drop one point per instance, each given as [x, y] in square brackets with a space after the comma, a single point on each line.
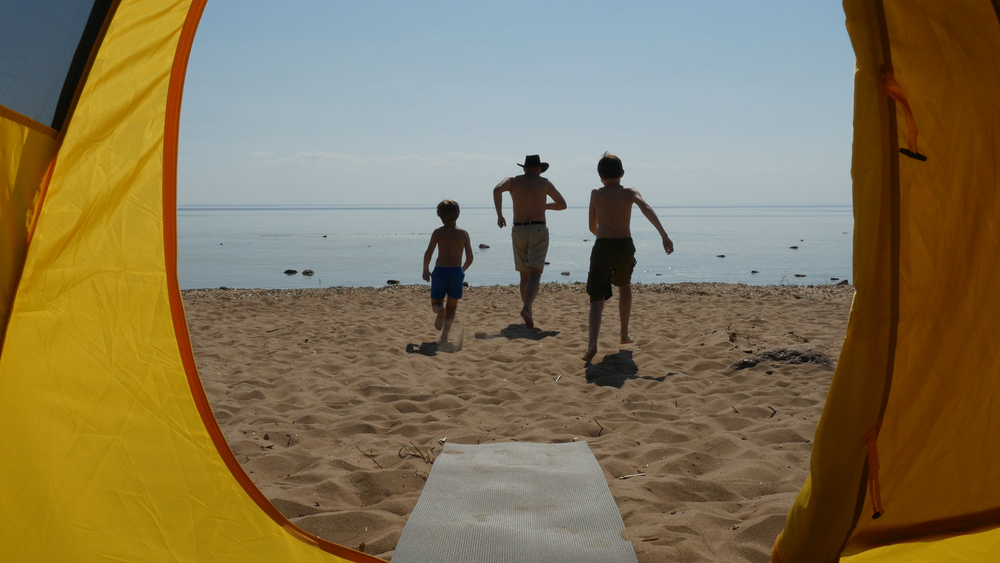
[611, 263]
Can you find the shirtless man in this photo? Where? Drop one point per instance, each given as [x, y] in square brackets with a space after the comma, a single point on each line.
[613, 256]
[530, 193]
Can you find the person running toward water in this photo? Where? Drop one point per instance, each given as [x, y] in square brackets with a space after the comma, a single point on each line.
[613, 256]
[449, 271]
[530, 193]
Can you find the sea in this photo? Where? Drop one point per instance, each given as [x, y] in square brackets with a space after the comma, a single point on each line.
[239, 246]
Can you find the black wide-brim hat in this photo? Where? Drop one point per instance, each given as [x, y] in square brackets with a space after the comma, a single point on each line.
[533, 160]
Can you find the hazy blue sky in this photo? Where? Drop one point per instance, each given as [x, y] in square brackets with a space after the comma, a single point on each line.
[327, 102]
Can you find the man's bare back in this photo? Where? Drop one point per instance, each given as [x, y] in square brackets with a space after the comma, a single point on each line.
[529, 194]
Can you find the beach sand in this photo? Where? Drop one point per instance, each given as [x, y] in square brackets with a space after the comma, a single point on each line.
[336, 402]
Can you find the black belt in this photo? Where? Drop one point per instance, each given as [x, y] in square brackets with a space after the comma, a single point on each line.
[519, 223]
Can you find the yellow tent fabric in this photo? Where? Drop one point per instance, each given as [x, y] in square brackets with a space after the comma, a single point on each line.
[26, 148]
[118, 457]
[909, 429]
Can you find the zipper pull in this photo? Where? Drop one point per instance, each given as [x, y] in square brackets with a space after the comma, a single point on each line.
[892, 88]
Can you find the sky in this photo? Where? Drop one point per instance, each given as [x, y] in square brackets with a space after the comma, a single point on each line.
[408, 103]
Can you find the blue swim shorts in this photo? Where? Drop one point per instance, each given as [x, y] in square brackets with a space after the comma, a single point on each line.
[447, 281]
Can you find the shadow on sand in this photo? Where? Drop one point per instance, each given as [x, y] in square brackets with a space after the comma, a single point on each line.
[614, 370]
[432, 348]
[513, 332]
[426, 348]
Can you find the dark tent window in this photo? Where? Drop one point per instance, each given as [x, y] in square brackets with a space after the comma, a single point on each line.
[44, 46]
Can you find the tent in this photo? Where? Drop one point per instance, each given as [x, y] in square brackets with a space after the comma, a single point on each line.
[904, 462]
[113, 452]
[117, 456]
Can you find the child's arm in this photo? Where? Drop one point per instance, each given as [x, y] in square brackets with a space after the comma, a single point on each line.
[429, 254]
[647, 210]
[593, 213]
[503, 186]
[468, 252]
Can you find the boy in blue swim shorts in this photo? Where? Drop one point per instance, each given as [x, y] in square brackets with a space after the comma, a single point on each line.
[449, 270]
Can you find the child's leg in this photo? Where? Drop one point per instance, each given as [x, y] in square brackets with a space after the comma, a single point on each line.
[596, 312]
[624, 310]
[449, 318]
[437, 305]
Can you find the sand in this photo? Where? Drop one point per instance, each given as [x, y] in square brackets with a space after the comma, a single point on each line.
[336, 401]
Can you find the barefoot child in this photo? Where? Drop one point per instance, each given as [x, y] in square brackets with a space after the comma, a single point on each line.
[449, 271]
[613, 256]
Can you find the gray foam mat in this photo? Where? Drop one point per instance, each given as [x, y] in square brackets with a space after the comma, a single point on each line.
[512, 503]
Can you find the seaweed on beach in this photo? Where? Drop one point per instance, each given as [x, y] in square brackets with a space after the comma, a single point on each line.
[784, 356]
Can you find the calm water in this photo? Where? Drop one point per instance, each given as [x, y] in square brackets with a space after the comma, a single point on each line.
[251, 247]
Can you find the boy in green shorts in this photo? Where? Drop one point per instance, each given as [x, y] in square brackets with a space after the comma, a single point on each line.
[613, 256]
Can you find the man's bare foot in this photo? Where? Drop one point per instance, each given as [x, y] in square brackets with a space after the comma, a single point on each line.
[439, 320]
[627, 339]
[590, 355]
[528, 321]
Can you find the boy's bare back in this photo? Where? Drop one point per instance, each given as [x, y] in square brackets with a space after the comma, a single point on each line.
[611, 211]
[451, 243]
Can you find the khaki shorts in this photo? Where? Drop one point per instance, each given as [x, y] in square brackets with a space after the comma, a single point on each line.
[531, 244]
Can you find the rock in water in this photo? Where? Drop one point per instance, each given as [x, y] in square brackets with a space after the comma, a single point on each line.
[565, 273]
[392, 282]
[794, 247]
[800, 275]
[291, 272]
[720, 255]
[754, 272]
[484, 246]
[307, 272]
